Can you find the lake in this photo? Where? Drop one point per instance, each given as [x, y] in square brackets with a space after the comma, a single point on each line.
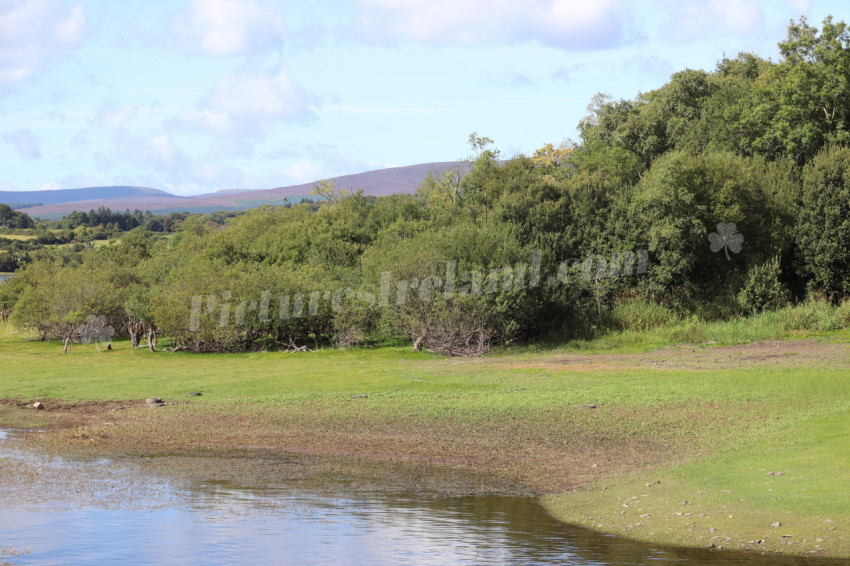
[100, 511]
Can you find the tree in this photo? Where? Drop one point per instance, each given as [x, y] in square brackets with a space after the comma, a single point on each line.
[823, 230]
[480, 184]
[59, 303]
[804, 102]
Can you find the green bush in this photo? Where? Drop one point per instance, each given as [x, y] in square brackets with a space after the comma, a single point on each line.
[762, 289]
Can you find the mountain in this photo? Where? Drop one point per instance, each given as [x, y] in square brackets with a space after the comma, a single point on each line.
[55, 204]
[85, 194]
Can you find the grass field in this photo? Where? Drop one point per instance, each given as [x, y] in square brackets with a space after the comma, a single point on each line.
[747, 435]
[22, 237]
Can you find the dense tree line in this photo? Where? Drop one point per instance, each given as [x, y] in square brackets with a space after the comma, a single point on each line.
[121, 221]
[12, 219]
[720, 194]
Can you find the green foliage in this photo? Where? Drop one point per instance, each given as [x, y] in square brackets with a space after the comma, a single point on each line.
[763, 288]
[640, 315]
[12, 219]
[733, 182]
[823, 230]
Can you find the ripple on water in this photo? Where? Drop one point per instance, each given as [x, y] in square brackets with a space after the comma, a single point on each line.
[94, 511]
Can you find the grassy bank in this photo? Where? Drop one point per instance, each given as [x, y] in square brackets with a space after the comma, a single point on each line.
[709, 422]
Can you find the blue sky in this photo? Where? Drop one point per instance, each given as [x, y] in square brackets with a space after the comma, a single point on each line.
[198, 96]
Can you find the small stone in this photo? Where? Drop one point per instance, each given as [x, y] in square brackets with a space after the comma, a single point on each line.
[589, 406]
[645, 516]
[771, 474]
[776, 525]
[38, 406]
[195, 394]
[153, 400]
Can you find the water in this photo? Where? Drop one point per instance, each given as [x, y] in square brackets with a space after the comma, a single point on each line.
[103, 511]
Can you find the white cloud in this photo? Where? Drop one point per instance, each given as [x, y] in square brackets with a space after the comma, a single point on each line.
[568, 24]
[30, 32]
[248, 104]
[300, 172]
[227, 27]
[690, 20]
[26, 144]
[155, 151]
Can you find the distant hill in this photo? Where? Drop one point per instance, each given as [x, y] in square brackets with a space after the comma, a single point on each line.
[58, 203]
[88, 193]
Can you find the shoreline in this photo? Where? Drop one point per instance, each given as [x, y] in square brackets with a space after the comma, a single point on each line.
[111, 429]
[588, 434]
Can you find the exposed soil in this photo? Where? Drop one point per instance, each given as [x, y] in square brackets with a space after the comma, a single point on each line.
[771, 353]
[554, 453]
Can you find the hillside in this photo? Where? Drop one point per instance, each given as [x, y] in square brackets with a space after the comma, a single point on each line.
[55, 204]
[60, 196]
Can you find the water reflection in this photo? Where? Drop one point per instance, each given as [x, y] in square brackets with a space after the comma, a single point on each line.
[102, 511]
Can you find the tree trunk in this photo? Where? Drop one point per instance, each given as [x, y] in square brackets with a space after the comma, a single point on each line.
[152, 340]
[67, 343]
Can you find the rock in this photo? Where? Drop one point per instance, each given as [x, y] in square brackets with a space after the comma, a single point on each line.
[776, 525]
[38, 406]
[196, 394]
[645, 516]
[589, 406]
[153, 400]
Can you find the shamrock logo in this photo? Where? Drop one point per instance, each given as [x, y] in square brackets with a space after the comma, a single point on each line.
[726, 239]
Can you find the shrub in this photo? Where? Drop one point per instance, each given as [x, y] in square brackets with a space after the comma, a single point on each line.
[762, 289]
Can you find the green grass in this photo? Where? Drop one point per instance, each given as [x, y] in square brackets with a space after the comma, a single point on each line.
[23, 237]
[709, 434]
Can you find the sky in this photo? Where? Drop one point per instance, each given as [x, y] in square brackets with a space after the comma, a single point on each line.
[196, 96]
